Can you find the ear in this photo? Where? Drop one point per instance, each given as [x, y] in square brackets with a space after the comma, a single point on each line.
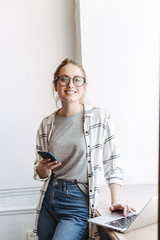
[84, 87]
[82, 99]
[55, 86]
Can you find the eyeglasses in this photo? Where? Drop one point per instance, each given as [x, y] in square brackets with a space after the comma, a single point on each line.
[65, 80]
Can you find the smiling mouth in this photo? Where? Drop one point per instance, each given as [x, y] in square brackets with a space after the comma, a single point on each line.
[70, 92]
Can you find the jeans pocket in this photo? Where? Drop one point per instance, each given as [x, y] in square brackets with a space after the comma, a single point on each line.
[76, 194]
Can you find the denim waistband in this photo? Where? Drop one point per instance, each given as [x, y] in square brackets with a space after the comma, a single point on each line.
[62, 183]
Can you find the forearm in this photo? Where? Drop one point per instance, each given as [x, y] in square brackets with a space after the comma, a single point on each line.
[115, 190]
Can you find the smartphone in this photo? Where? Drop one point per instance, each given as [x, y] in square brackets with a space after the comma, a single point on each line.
[47, 155]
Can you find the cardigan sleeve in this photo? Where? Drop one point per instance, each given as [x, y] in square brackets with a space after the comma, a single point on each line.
[41, 144]
[111, 158]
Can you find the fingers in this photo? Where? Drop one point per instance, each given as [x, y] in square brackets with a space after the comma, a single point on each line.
[124, 208]
[127, 208]
[125, 211]
[111, 208]
[53, 165]
[48, 164]
[115, 207]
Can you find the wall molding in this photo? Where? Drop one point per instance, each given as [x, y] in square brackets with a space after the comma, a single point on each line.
[19, 191]
[19, 201]
[6, 212]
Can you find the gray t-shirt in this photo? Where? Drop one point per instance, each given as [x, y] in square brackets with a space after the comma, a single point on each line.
[67, 144]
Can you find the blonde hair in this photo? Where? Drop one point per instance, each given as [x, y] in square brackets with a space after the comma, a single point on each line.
[56, 74]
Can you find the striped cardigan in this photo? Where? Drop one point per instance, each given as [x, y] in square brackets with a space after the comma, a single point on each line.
[102, 151]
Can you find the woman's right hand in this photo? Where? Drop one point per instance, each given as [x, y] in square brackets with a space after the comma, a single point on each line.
[45, 166]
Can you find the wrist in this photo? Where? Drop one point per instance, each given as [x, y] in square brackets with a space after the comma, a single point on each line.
[115, 193]
[41, 172]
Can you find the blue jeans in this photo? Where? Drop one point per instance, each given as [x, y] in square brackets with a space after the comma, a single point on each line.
[64, 212]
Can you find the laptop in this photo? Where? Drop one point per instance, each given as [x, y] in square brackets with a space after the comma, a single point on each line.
[117, 222]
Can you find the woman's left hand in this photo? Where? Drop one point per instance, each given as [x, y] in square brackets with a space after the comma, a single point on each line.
[119, 206]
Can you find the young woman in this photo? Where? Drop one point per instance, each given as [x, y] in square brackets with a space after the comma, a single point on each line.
[82, 138]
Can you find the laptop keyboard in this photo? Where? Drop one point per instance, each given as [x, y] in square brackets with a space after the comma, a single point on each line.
[123, 222]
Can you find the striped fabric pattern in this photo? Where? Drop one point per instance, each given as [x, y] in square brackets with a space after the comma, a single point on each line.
[102, 152]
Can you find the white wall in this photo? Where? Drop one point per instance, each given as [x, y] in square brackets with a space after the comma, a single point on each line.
[17, 212]
[36, 35]
[120, 52]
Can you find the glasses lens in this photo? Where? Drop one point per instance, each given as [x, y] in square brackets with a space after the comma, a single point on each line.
[63, 80]
[78, 81]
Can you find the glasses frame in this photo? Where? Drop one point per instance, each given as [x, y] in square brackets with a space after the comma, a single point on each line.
[57, 79]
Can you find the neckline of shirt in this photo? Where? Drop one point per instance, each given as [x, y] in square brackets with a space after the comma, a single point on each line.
[80, 114]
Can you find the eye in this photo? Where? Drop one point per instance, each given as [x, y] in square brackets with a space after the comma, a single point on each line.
[63, 79]
[78, 79]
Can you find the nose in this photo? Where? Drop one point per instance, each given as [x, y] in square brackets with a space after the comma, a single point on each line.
[70, 84]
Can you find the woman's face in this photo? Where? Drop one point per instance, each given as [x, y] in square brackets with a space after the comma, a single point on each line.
[70, 93]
